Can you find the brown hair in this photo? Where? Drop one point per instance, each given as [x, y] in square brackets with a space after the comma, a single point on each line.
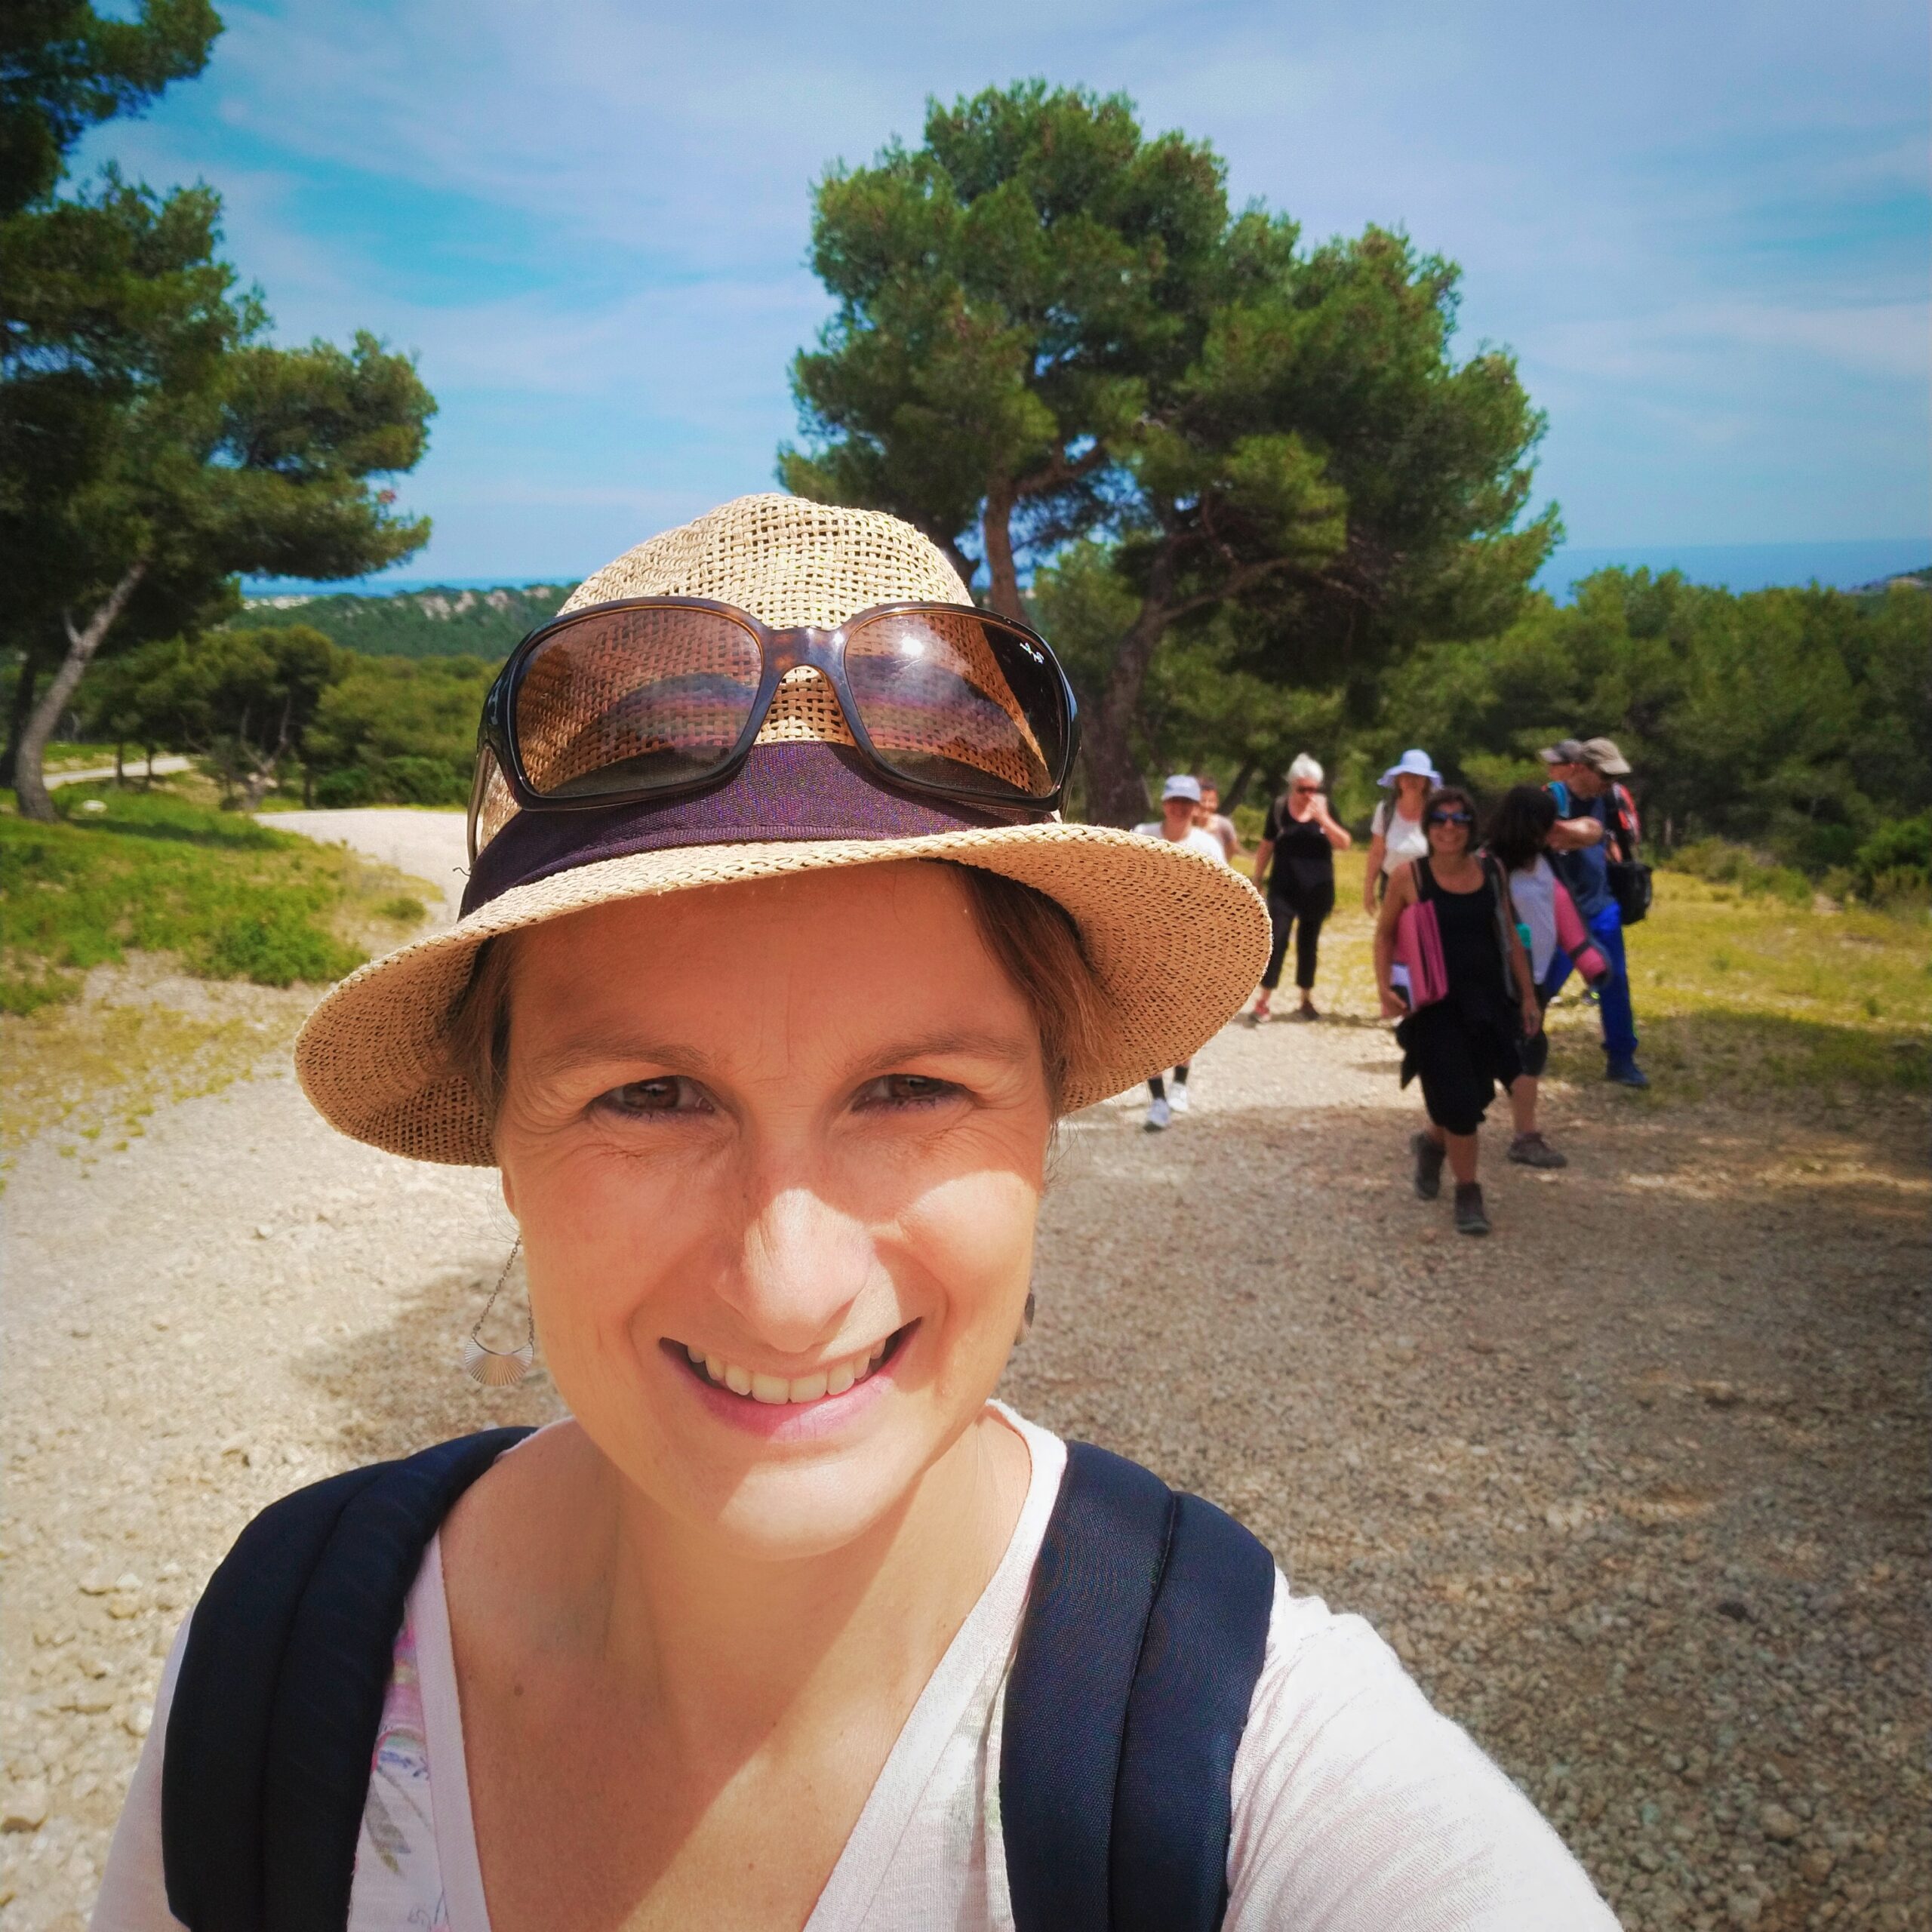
[1032, 937]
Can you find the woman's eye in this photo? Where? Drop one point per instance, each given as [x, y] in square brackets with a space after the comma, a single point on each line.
[906, 1090]
[669, 1094]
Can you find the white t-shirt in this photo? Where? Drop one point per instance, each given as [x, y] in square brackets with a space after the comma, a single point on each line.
[1402, 838]
[1199, 839]
[1357, 1807]
[1534, 890]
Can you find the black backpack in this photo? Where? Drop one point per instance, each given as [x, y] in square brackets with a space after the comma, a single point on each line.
[1142, 1638]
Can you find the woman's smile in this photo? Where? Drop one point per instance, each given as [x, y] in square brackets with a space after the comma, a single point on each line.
[796, 1407]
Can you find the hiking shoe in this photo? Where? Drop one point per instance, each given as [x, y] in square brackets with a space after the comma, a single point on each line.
[1304, 1014]
[1158, 1114]
[1429, 1166]
[1470, 1218]
[1532, 1150]
[1177, 1098]
[1627, 1073]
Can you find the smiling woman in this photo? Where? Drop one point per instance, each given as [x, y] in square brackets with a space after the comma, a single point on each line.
[777, 968]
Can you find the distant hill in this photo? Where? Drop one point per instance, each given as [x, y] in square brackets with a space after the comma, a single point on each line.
[417, 623]
[1905, 580]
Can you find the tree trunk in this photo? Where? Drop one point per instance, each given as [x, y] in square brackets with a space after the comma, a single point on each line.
[996, 538]
[17, 723]
[1116, 792]
[1237, 789]
[29, 781]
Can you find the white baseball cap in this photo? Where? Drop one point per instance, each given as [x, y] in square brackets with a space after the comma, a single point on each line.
[1182, 785]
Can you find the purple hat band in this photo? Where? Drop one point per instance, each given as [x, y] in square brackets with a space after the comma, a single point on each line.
[806, 789]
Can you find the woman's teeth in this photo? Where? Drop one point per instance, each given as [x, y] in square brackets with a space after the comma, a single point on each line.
[832, 1381]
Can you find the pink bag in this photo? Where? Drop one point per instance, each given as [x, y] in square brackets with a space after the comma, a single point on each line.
[1575, 938]
[1419, 949]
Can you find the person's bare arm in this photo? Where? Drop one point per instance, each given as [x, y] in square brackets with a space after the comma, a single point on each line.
[1402, 890]
[1378, 851]
[1264, 853]
[1571, 835]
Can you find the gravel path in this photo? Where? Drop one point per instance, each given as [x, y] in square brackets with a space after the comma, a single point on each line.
[1637, 1486]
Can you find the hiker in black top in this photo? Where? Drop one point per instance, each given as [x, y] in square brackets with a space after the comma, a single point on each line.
[1465, 1044]
[1295, 865]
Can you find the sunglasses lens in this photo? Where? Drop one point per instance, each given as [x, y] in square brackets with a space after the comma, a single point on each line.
[960, 702]
[632, 698]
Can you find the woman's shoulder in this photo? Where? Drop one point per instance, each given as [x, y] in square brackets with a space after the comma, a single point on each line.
[1357, 1805]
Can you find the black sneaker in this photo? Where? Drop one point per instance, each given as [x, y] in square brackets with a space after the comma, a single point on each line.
[1429, 1157]
[1627, 1073]
[1470, 1218]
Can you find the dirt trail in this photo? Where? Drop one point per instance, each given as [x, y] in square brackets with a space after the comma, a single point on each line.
[1638, 1485]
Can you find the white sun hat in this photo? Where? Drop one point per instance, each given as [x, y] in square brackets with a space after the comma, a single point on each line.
[1413, 764]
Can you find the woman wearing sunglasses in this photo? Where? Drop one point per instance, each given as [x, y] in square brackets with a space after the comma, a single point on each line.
[1295, 865]
[1466, 1044]
[776, 969]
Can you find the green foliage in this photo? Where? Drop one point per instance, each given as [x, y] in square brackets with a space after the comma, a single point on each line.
[1799, 720]
[1720, 862]
[244, 698]
[397, 730]
[486, 624]
[153, 442]
[1895, 863]
[65, 68]
[233, 899]
[1006, 292]
[1051, 328]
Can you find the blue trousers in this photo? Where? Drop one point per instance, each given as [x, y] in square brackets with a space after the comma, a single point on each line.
[1619, 1023]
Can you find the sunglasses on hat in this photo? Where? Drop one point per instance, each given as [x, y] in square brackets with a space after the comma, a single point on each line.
[650, 697]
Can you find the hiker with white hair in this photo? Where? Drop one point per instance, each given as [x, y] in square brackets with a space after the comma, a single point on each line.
[1295, 865]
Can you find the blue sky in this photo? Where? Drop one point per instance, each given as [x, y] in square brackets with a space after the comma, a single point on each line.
[1703, 229]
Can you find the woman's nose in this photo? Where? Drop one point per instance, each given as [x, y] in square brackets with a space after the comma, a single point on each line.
[804, 1262]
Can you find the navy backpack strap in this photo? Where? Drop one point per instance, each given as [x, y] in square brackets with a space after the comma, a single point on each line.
[280, 1693]
[1137, 1660]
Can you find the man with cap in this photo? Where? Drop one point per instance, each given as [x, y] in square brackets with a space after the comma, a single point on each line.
[1180, 799]
[1582, 775]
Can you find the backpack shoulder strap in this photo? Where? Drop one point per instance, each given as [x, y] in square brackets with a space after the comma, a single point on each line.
[1143, 1637]
[281, 1690]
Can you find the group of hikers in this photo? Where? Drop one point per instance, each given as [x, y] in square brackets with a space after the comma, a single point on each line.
[1478, 926]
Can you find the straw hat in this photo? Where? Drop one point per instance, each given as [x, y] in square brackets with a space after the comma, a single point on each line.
[1175, 941]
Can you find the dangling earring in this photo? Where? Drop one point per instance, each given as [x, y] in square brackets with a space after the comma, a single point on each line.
[500, 1368]
[1025, 1321]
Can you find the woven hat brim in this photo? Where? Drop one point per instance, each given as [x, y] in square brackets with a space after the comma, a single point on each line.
[1176, 943]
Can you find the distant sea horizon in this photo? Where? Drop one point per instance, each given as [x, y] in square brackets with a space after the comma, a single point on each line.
[1837, 564]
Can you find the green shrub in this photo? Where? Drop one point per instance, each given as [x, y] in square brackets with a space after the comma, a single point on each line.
[230, 898]
[1895, 863]
[1722, 863]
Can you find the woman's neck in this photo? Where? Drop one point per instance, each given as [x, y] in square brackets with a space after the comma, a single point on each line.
[721, 1648]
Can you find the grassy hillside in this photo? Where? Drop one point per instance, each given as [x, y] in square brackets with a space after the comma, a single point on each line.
[421, 623]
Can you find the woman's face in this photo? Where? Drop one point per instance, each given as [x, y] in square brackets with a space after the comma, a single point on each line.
[1410, 793]
[796, 1129]
[1449, 829]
